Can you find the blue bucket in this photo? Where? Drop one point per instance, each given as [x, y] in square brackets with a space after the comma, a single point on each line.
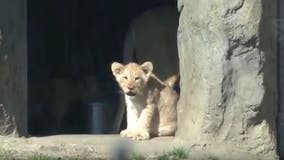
[95, 113]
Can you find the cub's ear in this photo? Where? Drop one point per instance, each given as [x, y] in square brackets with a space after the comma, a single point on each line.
[116, 68]
[147, 68]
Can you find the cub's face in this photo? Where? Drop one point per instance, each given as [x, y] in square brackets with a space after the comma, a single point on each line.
[132, 78]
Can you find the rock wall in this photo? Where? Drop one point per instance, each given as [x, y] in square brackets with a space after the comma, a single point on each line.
[13, 73]
[227, 52]
[281, 77]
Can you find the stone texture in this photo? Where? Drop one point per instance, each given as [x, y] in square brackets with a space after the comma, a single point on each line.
[13, 79]
[227, 52]
[281, 78]
[108, 146]
[8, 124]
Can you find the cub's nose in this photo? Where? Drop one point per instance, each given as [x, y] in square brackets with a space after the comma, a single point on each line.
[130, 88]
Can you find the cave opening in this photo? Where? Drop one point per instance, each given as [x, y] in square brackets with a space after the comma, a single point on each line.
[71, 45]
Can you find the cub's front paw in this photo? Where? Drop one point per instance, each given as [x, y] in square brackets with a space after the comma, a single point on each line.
[140, 135]
[126, 133]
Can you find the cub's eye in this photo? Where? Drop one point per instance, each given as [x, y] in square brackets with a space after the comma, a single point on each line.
[125, 77]
[137, 78]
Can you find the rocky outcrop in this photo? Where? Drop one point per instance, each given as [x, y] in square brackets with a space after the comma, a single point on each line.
[7, 122]
[281, 77]
[227, 52]
[13, 68]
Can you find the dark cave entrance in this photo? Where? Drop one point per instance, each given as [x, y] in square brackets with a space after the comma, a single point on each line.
[71, 44]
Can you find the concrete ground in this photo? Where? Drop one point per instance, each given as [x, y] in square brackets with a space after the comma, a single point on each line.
[110, 146]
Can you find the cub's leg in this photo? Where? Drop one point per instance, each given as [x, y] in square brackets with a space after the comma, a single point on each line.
[132, 119]
[167, 130]
[142, 131]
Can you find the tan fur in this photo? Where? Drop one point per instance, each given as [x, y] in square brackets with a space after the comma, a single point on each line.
[151, 103]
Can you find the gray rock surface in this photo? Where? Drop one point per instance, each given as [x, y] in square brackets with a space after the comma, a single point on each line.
[110, 147]
[281, 78]
[227, 52]
[13, 73]
[8, 124]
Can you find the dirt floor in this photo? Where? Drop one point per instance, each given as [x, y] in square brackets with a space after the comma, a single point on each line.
[110, 147]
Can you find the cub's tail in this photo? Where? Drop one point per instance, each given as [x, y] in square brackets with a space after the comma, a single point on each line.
[172, 81]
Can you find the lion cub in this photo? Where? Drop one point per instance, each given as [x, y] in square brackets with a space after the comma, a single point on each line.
[151, 103]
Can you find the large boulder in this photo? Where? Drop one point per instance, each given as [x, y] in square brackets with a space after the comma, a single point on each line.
[227, 51]
[13, 68]
[7, 121]
[281, 78]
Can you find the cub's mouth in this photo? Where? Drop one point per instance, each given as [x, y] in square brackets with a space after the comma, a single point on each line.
[131, 93]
